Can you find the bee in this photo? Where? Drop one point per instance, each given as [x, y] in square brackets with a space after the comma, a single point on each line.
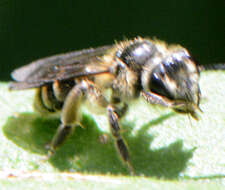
[162, 74]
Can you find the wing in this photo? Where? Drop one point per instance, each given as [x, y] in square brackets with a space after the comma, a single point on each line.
[58, 67]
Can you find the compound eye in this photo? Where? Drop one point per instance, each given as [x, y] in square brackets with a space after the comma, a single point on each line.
[157, 85]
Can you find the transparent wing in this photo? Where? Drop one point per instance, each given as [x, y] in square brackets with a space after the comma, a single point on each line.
[59, 67]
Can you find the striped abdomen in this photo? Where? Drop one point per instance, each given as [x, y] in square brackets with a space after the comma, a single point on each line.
[50, 98]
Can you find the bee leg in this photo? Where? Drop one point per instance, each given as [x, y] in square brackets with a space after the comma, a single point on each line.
[156, 99]
[69, 115]
[120, 143]
[120, 107]
[121, 111]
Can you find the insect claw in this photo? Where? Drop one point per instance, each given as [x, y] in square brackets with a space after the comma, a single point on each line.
[81, 125]
[50, 151]
[131, 169]
[200, 109]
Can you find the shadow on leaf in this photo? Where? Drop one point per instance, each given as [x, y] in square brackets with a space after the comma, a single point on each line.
[85, 152]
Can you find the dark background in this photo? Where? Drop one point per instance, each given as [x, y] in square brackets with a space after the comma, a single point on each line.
[34, 29]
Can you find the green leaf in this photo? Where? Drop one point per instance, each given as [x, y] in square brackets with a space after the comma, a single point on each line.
[168, 150]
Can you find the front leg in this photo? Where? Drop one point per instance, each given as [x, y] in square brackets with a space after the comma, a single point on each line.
[120, 143]
[157, 99]
[153, 98]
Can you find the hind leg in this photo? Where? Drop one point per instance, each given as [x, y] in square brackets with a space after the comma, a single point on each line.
[69, 115]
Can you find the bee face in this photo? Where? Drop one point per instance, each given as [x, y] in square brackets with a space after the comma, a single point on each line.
[176, 77]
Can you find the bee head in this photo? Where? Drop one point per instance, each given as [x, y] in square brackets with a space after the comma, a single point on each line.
[176, 77]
